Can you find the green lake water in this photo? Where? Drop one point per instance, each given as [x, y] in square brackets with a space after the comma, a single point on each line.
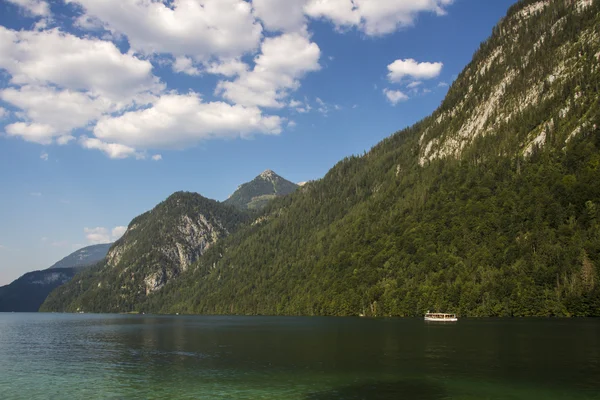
[71, 356]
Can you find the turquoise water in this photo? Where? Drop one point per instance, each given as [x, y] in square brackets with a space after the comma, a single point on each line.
[63, 356]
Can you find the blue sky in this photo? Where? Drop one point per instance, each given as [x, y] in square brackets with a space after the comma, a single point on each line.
[106, 108]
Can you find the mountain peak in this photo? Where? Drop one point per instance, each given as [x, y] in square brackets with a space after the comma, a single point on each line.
[258, 192]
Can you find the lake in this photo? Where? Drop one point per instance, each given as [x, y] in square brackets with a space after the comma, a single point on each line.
[59, 356]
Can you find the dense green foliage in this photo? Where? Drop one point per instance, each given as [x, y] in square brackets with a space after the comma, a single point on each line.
[505, 223]
[257, 193]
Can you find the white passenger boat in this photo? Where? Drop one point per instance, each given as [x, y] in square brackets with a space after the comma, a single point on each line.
[440, 317]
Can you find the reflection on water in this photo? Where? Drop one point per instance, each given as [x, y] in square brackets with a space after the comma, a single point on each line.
[115, 356]
[414, 389]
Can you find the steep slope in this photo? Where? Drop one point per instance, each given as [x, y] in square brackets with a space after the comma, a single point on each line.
[158, 246]
[83, 257]
[255, 195]
[27, 293]
[488, 207]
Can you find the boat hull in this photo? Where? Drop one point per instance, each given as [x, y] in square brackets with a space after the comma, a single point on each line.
[430, 319]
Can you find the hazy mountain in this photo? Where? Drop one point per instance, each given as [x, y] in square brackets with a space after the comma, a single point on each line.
[255, 195]
[27, 293]
[490, 206]
[84, 257]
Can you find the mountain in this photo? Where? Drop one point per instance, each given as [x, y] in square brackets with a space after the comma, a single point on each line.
[489, 207]
[157, 247]
[27, 293]
[255, 195]
[84, 257]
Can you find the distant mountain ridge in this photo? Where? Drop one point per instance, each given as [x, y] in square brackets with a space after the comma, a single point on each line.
[255, 195]
[27, 293]
[83, 257]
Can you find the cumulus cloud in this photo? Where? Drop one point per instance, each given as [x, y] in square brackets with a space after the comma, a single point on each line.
[374, 17]
[228, 68]
[178, 120]
[65, 60]
[51, 112]
[117, 232]
[280, 15]
[199, 29]
[35, 8]
[156, 157]
[283, 61]
[185, 65]
[112, 150]
[44, 156]
[394, 96]
[101, 235]
[4, 113]
[413, 69]
[63, 82]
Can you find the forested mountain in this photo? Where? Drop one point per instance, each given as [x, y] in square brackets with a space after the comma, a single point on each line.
[256, 194]
[83, 257]
[490, 206]
[158, 246]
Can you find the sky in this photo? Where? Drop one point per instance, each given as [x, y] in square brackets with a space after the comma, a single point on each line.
[107, 107]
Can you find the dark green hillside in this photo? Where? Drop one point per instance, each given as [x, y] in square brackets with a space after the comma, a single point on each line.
[488, 207]
[508, 226]
[255, 195]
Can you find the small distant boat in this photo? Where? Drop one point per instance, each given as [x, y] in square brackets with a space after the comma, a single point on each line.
[440, 317]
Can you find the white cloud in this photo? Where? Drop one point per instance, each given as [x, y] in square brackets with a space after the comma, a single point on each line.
[51, 112]
[395, 96]
[117, 232]
[374, 17]
[4, 113]
[185, 65]
[101, 235]
[228, 68]
[156, 157]
[200, 29]
[300, 107]
[292, 124]
[411, 68]
[32, 132]
[62, 82]
[283, 61]
[280, 15]
[36, 8]
[175, 121]
[414, 84]
[443, 84]
[112, 150]
[44, 156]
[93, 65]
[97, 235]
[324, 108]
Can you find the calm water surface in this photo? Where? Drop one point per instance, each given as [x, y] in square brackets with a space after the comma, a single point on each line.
[59, 356]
